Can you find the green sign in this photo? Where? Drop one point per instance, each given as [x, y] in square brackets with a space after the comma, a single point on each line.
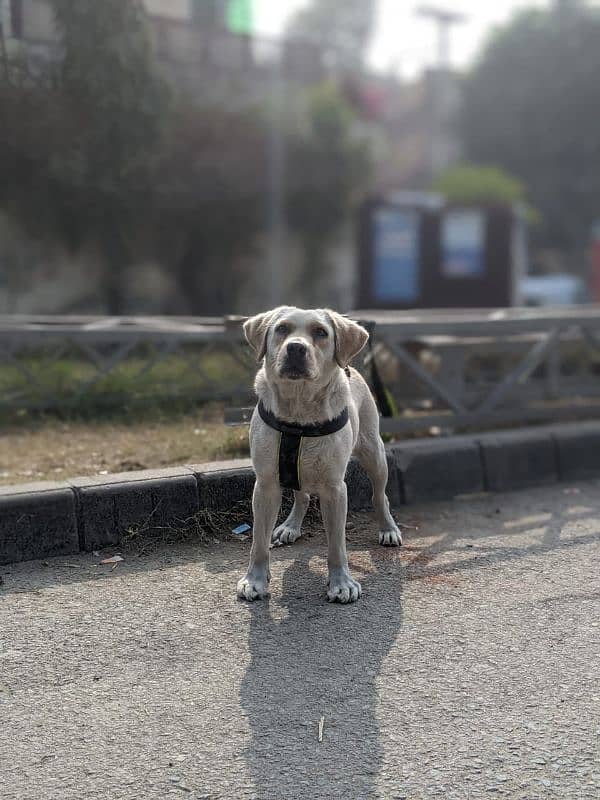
[239, 16]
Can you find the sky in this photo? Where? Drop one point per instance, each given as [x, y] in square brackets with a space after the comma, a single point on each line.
[404, 42]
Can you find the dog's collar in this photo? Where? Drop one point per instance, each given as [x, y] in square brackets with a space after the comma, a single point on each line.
[321, 429]
[290, 442]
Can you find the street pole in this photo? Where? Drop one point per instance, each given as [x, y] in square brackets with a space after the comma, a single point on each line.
[276, 183]
[441, 87]
[444, 20]
[3, 51]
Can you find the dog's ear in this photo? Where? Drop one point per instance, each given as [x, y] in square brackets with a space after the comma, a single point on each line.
[350, 338]
[256, 330]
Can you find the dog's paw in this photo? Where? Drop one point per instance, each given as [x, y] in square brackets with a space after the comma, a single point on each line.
[343, 588]
[390, 537]
[253, 588]
[284, 534]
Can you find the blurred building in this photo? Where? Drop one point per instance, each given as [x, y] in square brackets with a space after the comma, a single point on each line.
[30, 23]
[203, 46]
[207, 48]
[203, 43]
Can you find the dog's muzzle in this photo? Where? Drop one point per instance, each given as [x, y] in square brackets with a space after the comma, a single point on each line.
[295, 365]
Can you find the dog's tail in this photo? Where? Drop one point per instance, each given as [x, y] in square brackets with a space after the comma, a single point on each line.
[383, 397]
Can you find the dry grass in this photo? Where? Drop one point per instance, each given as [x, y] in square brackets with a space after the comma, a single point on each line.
[206, 526]
[50, 449]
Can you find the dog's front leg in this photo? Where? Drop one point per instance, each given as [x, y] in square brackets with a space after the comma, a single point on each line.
[334, 507]
[266, 501]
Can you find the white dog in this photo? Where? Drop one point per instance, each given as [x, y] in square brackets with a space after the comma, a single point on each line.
[314, 412]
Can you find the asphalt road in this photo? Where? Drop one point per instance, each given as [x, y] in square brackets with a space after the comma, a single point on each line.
[469, 669]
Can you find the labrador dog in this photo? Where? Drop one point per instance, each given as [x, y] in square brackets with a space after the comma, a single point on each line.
[305, 380]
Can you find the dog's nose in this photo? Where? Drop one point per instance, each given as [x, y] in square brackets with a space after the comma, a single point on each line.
[296, 349]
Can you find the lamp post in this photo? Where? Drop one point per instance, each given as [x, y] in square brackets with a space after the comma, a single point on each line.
[276, 181]
[441, 86]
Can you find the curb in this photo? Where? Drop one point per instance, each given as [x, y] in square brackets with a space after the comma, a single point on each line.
[41, 520]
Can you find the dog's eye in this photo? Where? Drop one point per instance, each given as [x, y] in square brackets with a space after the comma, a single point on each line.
[320, 333]
[282, 329]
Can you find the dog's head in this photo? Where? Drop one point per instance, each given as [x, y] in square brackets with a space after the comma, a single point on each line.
[301, 345]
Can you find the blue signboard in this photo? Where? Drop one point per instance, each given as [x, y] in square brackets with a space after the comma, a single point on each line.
[396, 255]
[463, 241]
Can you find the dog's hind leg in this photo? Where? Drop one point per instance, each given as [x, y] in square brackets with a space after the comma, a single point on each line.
[371, 455]
[290, 530]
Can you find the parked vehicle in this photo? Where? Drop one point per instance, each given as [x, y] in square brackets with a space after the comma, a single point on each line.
[553, 290]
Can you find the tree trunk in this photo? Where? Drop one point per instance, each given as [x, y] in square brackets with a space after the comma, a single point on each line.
[313, 272]
[116, 261]
[201, 281]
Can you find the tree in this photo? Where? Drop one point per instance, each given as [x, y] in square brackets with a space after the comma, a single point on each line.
[344, 27]
[532, 106]
[97, 154]
[471, 183]
[328, 168]
[117, 102]
[78, 147]
[209, 202]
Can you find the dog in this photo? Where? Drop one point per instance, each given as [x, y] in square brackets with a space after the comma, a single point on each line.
[314, 412]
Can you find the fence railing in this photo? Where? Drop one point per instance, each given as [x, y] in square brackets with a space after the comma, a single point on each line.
[446, 370]
[65, 363]
[457, 369]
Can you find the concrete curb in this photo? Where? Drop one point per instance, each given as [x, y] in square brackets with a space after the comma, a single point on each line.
[84, 514]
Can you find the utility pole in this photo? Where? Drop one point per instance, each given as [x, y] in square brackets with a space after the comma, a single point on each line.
[3, 53]
[3, 36]
[443, 92]
[276, 181]
[444, 19]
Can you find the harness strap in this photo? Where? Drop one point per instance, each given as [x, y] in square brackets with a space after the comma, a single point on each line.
[290, 442]
[290, 448]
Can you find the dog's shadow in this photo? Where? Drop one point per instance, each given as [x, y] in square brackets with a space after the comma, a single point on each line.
[312, 660]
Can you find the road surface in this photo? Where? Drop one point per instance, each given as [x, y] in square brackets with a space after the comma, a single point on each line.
[469, 669]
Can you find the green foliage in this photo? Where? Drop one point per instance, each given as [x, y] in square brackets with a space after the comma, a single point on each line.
[328, 168]
[471, 183]
[99, 153]
[171, 385]
[116, 103]
[77, 151]
[108, 76]
[532, 106]
[209, 202]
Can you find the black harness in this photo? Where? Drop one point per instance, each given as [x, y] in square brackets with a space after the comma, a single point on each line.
[290, 442]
